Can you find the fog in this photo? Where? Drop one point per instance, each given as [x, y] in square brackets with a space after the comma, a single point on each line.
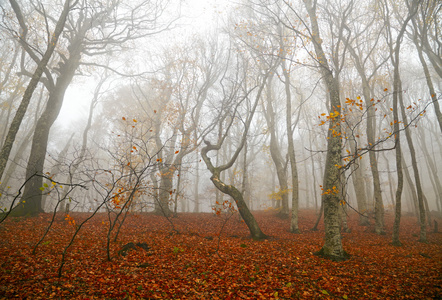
[171, 107]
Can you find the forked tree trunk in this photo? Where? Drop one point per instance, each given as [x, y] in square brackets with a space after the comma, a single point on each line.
[30, 203]
[275, 153]
[21, 111]
[371, 133]
[230, 190]
[291, 147]
[429, 82]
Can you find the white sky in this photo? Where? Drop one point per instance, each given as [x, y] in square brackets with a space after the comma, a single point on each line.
[198, 16]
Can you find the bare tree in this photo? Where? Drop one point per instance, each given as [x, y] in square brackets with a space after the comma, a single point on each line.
[394, 45]
[422, 24]
[36, 76]
[230, 113]
[332, 245]
[92, 31]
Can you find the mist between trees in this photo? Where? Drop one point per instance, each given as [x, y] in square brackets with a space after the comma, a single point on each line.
[279, 105]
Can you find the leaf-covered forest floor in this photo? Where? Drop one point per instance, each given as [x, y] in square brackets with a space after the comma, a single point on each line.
[193, 263]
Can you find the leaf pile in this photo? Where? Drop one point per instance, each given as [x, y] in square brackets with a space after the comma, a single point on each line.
[192, 261]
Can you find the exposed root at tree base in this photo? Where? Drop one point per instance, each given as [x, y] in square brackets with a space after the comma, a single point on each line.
[321, 253]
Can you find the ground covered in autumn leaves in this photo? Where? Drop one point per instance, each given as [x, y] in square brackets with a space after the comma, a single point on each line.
[190, 260]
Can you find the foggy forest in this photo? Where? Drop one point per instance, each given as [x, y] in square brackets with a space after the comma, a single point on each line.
[248, 149]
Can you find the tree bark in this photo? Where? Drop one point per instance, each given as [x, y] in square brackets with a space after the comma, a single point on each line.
[394, 56]
[230, 190]
[435, 181]
[332, 245]
[165, 192]
[196, 190]
[41, 67]
[420, 193]
[412, 194]
[276, 155]
[30, 203]
[291, 151]
[359, 187]
[429, 81]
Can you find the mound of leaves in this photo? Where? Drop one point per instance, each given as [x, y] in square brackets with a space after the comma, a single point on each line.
[195, 260]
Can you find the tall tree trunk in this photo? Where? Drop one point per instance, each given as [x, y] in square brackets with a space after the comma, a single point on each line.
[41, 67]
[178, 192]
[197, 181]
[291, 147]
[400, 185]
[359, 187]
[9, 103]
[275, 153]
[230, 190]
[308, 193]
[420, 193]
[429, 84]
[343, 204]
[155, 191]
[333, 244]
[275, 203]
[390, 180]
[314, 184]
[378, 201]
[371, 134]
[218, 194]
[244, 190]
[434, 177]
[412, 188]
[394, 56]
[30, 203]
[165, 192]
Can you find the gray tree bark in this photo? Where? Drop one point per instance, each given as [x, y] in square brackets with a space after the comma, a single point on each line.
[420, 193]
[231, 190]
[30, 203]
[394, 56]
[431, 164]
[276, 154]
[332, 244]
[41, 67]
